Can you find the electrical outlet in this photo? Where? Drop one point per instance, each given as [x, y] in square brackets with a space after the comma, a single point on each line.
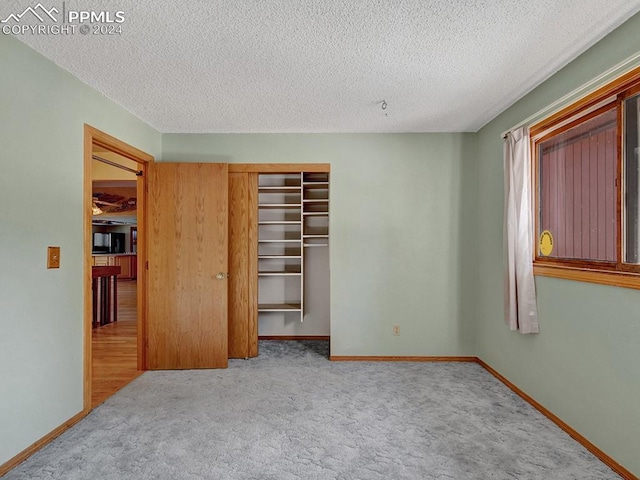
[396, 330]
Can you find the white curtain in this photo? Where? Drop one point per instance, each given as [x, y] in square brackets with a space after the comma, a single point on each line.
[520, 308]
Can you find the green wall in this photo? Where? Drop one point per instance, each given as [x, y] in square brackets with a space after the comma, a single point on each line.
[396, 226]
[42, 113]
[585, 364]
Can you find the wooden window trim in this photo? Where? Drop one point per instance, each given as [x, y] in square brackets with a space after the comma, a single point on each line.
[616, 273]
[574, 123]
[589, 275]
[616, 87]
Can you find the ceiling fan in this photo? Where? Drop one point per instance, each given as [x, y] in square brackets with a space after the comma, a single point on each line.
[96, 202]
[102, 202]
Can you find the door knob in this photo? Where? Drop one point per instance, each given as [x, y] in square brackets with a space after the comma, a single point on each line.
[222, 276]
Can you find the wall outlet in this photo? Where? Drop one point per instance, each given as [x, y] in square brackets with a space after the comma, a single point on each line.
[396, 330]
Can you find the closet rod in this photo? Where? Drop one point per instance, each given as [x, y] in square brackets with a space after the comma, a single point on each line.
[117, 165]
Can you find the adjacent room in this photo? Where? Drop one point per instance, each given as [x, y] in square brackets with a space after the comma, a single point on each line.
[324, 240]
[114, 265]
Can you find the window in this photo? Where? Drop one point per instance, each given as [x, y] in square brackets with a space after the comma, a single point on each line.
[587, 204]
[631, 174]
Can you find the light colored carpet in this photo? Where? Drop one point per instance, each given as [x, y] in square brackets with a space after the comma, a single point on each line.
[292, 414]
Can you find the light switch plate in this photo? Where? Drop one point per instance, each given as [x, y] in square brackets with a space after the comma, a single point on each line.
[53, 257]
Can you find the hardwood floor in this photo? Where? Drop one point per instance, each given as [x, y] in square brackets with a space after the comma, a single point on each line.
[114, 358]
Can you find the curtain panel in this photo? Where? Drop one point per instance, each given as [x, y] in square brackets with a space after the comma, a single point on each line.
[520, 307]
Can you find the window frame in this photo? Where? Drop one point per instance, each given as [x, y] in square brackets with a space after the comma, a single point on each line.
[611, 95]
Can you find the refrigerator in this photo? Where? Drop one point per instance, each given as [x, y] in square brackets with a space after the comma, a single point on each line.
[110, 242]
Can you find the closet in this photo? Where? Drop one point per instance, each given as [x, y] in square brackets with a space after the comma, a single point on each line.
[279, 225]
[236, 252]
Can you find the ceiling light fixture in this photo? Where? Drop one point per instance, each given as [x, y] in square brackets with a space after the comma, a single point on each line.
[96, 209]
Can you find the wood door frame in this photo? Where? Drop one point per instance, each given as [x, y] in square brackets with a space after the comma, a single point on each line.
[279, 168]
[93, 136]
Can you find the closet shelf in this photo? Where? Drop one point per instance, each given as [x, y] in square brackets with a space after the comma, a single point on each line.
[316, 185]
[280, 222]
[315, 177]
[279, 307]
[316, 231]
[279, 189]
[277, 257]
[295, 240]
[315, 214]
[316, 245]
[316, 200]
[280, 205]
[278, 274]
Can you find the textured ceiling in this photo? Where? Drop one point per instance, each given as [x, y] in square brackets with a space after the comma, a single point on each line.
[326, 65]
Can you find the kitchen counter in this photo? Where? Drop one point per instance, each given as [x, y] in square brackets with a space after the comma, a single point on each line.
[127, 261]
[104, 286]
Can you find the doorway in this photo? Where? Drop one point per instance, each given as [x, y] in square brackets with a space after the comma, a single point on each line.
[115, 254]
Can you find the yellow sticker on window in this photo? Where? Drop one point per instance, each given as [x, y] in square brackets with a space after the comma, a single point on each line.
[546, 243]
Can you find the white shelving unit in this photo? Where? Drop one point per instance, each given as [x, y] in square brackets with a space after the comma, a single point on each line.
[280, 259]
[293, 254]
[315, 237]
[315, 211]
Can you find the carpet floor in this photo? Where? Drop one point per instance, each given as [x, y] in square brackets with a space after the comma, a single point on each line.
[292, 414]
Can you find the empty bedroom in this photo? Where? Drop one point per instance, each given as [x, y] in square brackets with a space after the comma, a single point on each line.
[372, 240]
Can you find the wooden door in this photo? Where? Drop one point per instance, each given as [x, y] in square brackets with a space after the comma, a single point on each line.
[187, 257]
[243, 265]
